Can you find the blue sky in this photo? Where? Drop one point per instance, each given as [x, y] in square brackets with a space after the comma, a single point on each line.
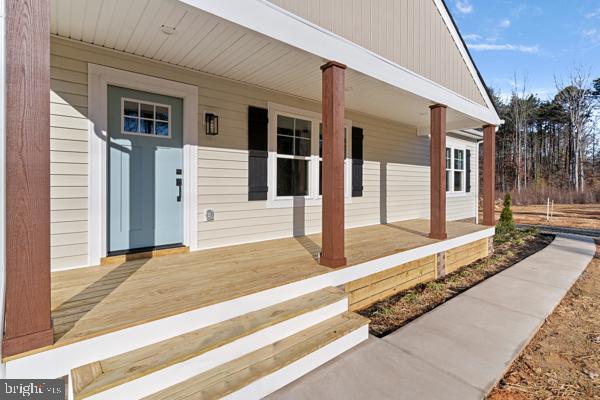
[537, 39]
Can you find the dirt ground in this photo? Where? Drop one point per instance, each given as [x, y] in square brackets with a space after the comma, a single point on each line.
[390, 314]
[563, 359]
[568, 215]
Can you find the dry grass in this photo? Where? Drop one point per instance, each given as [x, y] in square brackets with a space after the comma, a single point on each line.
[585, 216]
[563, 359]
[392, 313]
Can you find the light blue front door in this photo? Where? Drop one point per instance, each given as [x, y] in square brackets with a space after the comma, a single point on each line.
[145, 170]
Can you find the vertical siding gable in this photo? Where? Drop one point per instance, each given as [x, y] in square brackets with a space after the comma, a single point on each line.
[411, 33]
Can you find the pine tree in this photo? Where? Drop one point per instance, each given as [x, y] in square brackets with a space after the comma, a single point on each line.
[506, 228]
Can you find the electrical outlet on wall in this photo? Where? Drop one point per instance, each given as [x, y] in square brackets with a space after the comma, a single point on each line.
[209, 215]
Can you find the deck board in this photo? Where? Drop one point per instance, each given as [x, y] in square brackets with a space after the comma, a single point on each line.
[90, 301]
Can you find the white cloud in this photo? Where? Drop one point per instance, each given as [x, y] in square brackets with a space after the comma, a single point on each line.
[472, 36]
[505, 23]
[503, 47]
[592, 35]
[593, 14]
[463, 6]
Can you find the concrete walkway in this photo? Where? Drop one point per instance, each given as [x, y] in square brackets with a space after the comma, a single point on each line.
[463, 347]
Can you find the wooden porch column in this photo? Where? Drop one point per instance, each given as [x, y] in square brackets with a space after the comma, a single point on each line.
[332, 249]
[437, 151]
[27, 322]
[489, 174]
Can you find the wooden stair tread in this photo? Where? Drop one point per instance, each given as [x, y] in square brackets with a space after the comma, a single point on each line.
[101, 375]
[236, 374]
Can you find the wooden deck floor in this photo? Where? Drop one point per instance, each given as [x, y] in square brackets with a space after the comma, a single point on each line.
[91, 301]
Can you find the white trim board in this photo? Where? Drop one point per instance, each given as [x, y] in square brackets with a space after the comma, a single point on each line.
[270, 20]
[99, 77]
[59, 361]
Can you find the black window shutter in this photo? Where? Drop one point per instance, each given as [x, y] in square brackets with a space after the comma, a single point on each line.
[468, 175]
[258, 119]
[357, 162]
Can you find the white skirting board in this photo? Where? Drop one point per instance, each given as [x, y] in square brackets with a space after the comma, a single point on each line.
[59, 361]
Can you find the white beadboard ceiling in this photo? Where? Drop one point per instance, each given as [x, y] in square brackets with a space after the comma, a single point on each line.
[206, 43]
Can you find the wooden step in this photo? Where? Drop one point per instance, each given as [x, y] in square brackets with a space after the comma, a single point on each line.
[207, 347]
[236, 377]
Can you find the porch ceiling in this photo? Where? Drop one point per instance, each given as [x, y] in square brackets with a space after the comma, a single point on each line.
[209, 44]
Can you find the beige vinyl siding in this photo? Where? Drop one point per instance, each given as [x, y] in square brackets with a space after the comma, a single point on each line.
[68, 162]
[411, 33]
[222, 159]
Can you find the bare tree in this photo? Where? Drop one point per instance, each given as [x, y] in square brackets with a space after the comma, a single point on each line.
[576, 98]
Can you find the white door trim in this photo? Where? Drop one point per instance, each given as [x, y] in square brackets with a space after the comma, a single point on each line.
[99, 77]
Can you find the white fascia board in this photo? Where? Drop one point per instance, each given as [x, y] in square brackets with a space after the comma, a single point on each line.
[450, 127]
[468, 133]
[279, 24]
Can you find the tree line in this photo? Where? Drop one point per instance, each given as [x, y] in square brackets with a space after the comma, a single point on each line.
[550, 148]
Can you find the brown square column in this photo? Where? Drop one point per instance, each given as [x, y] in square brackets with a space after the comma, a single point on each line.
[332, 249]
[27, 322]
[437, 152]
[489, 174]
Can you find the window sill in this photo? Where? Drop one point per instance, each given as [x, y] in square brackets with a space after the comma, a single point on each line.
[293, 202]
[457, 194]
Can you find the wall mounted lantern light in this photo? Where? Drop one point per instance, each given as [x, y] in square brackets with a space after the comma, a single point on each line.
[212, 124]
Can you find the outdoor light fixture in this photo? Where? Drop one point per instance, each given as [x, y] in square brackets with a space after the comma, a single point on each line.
[212, 124]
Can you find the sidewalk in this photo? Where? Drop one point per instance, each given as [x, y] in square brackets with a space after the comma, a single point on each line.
[463, 347]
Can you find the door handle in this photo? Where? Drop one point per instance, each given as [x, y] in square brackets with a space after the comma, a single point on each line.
[178, 183]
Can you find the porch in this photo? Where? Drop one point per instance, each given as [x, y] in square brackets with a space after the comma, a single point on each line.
[231, 173]
[93, 301]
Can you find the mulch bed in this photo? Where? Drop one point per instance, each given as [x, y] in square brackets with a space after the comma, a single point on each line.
[563, 359]
[392, 313]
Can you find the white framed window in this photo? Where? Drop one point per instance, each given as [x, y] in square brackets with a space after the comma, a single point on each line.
[145, 118]
[295, 157]
[294, 136]
[455, 170]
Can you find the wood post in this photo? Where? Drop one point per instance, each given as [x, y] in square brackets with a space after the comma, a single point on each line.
[332, 249]
[489, 174]
[437, 151]
[27, 321]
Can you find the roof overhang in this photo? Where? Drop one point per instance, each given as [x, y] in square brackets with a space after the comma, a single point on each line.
[267, 19]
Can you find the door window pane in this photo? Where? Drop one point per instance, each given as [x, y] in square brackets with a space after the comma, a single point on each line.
[162, 113]
[147, 110]
[162, 128]
[140, 117]
[130, 125]
[146, 126]
[130, 108]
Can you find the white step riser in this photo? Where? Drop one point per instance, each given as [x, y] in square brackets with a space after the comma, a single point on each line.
[58, 362]
[275, 381]
[177, 373]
